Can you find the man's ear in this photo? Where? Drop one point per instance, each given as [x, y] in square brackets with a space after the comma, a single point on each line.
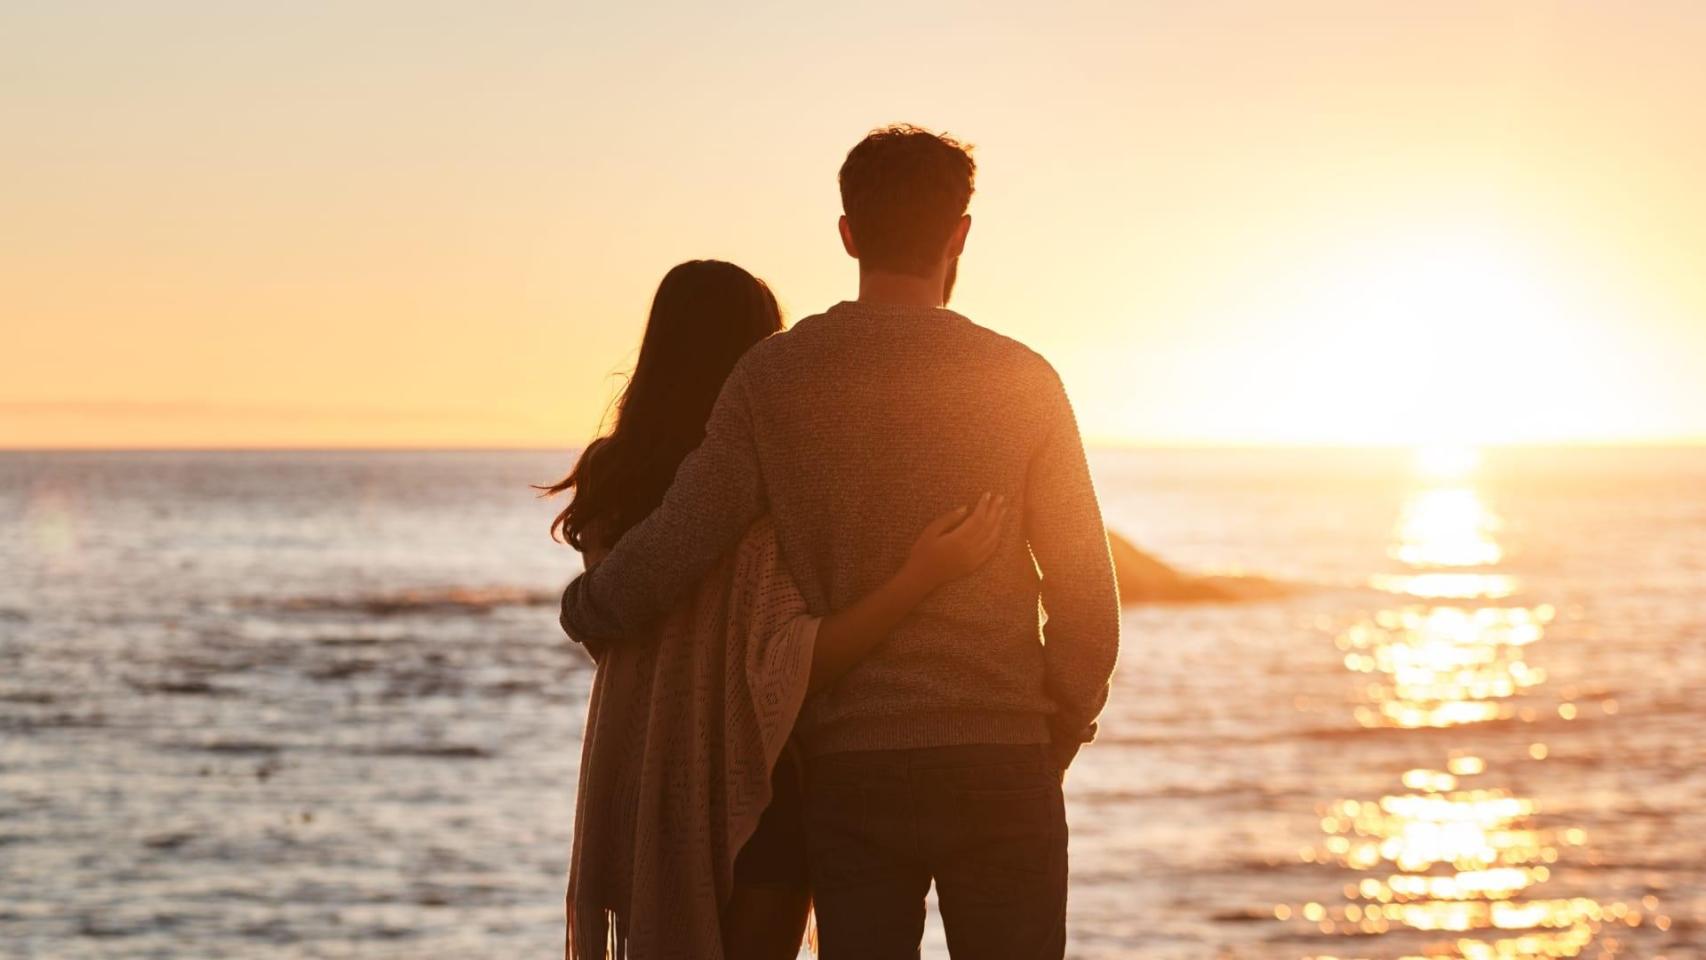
[847, 239]
[957, 239]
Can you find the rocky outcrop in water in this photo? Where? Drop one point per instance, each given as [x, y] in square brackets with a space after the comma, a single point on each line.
[1144, 579]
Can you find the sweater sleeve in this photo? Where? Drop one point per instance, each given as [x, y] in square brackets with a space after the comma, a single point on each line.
[1081, 631]
[716, 495]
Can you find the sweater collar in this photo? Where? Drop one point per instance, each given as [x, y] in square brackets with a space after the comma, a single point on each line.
[855, 308]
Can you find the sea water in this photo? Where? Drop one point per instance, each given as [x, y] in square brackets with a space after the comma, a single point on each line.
[295, 704]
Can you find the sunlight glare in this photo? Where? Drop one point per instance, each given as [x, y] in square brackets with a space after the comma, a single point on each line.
[1446, 461]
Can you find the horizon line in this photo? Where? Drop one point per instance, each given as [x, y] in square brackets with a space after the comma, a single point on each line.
[1678, 443]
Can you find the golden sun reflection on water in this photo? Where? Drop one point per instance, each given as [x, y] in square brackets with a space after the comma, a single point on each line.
[1443, 666]
[1441, 532]
[1449, 854]
[1447, 527]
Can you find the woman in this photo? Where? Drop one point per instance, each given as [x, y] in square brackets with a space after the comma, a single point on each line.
[688, 836]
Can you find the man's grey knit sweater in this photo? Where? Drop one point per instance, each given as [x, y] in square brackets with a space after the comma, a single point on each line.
[853, 430]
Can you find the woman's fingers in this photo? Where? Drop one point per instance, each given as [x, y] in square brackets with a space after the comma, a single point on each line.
[973, 516]
[941, 524]
[981, 532]
[975, 521]
[971, 532]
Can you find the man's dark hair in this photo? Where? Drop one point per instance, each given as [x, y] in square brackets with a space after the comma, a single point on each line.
[903, 189]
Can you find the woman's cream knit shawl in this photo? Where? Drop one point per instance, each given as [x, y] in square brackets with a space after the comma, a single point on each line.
[683, 729]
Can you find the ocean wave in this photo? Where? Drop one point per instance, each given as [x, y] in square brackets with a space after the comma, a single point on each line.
[1184, 792]
[181, 686]
[271, 748]
[442, 600]
[439, 751]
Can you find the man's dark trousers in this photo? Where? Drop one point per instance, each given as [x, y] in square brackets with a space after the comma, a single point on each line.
[987, 822]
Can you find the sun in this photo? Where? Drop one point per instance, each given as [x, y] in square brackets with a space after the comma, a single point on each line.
[1452, 339]
[1413, 336]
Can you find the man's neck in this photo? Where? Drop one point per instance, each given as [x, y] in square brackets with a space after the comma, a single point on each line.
[900, 289]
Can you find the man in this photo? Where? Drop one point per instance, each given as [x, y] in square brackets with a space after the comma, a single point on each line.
[939, 757]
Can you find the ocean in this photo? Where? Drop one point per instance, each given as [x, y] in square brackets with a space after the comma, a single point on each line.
[294, 704]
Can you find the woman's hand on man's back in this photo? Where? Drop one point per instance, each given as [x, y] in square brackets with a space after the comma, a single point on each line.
[956, 543]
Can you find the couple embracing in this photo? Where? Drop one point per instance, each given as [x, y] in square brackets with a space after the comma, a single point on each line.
[852, 606]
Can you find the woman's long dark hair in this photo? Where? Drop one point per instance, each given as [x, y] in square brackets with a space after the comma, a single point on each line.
[706, 313]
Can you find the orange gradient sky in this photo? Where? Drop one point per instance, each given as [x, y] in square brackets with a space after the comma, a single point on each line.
[407, 224]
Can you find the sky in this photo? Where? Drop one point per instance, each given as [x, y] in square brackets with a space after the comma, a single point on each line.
[429, 224]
